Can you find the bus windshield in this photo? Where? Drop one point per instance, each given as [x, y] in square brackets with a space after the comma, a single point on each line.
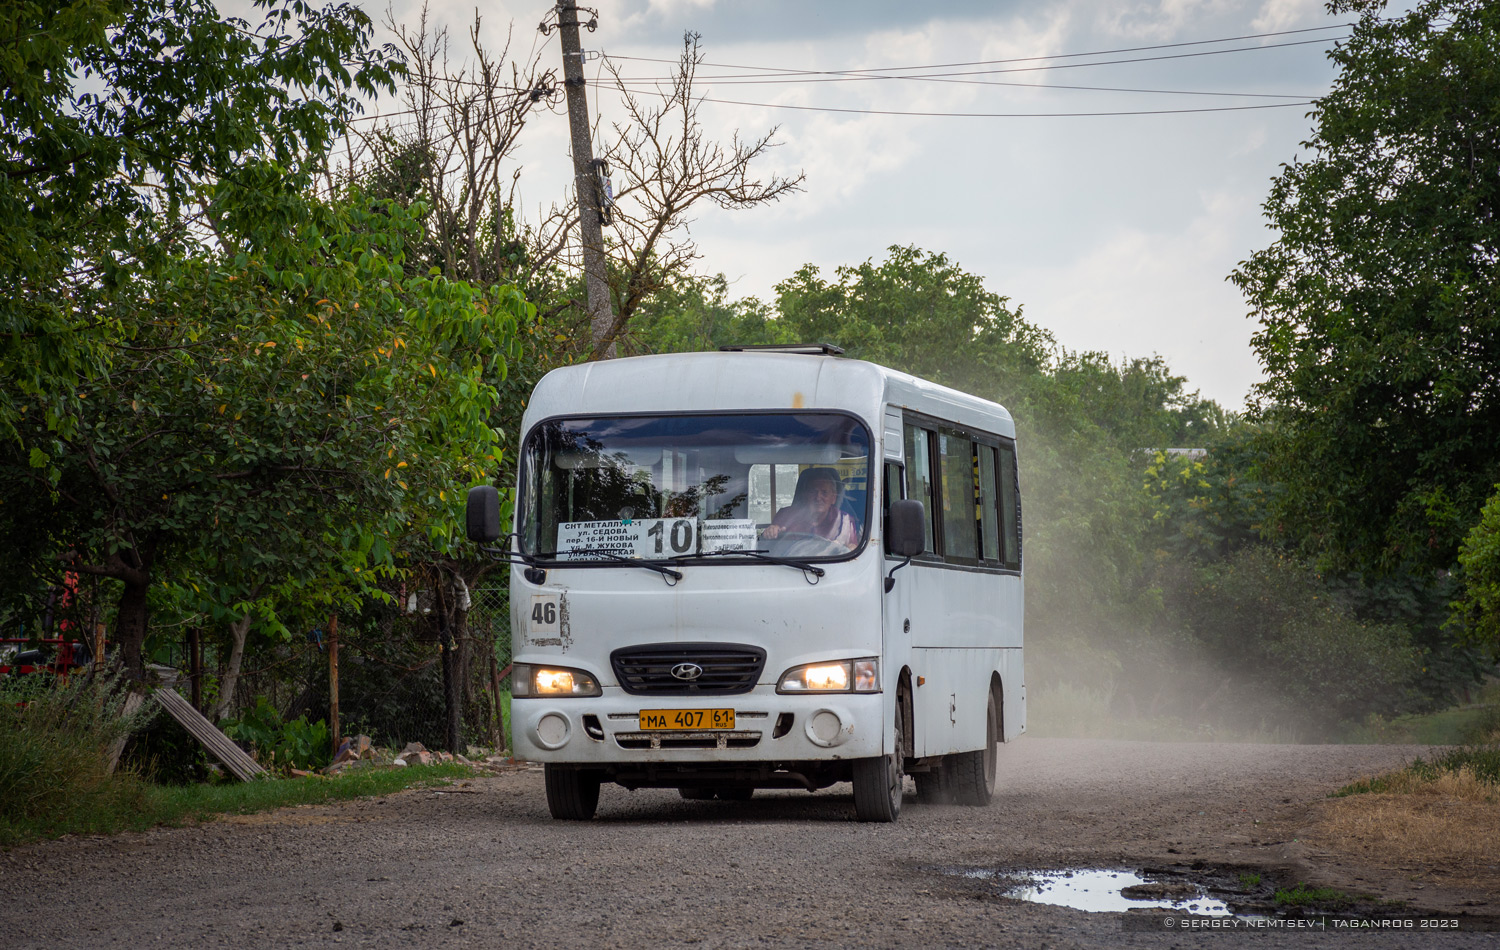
[658, 487]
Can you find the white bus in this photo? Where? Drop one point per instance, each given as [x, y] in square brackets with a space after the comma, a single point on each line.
[765, 568]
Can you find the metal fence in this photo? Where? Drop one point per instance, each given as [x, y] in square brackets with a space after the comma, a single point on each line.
[390, 675]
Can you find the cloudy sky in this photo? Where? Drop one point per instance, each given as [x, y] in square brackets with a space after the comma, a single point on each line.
[1114, 232]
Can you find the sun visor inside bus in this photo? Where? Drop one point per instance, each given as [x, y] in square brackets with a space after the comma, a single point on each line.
[641, 457]
[802, 454]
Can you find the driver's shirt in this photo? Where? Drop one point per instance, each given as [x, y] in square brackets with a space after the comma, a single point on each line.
[842, 530]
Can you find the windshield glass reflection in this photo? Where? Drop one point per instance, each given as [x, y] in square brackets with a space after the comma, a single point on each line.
[659, 487]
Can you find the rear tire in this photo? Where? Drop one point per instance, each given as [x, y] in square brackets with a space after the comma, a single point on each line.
[933, 787]
[880, 781]
[973, 773]
[696, 793]
[735, 794]
[572, 794]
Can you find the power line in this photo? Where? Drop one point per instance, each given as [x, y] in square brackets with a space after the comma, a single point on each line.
[850, 75]
[638, 85]
[777, 70]
[1004, 115]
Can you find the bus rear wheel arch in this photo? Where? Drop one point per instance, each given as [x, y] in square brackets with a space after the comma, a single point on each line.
[971, 776]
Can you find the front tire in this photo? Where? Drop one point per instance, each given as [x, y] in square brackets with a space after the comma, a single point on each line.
[572, 794]
[973, 773]
[880, 781]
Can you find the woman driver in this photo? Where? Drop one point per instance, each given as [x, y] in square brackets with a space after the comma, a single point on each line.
[817, 509]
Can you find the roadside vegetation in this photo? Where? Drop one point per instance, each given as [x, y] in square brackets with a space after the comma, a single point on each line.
[1440, 815]
[57, 743]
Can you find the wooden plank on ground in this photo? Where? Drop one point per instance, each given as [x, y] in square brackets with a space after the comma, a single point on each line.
[208, 735]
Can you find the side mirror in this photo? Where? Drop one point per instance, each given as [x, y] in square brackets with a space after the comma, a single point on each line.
[482, 514]
[905, 528]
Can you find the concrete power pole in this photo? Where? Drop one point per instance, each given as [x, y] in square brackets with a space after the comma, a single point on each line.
[585, 178]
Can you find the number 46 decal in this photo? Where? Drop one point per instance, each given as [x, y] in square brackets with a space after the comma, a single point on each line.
[544, 613]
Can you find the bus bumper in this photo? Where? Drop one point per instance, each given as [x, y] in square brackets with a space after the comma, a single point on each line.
[768, 727]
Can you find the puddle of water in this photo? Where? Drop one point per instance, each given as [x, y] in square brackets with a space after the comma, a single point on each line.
[1095, 889]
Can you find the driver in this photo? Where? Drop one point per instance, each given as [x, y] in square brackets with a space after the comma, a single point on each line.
[817, 510]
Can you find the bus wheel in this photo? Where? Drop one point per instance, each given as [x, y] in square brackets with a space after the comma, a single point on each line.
[972, 775]
[572, 794]
[696, 793]
[879, 782]
[932, 787]
[735, 794]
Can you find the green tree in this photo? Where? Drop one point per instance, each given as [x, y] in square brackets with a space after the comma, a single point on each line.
[119, 118]
[274, 422]
[1479, 606]
[919, 312]
[1379, 304]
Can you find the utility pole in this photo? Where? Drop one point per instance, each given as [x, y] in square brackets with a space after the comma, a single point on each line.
[585, 179]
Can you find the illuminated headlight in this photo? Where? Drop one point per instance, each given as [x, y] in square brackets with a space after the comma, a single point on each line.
[845, 676]
[530, 680]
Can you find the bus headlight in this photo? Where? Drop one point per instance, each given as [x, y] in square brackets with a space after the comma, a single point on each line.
[529, 679]
[843, 676]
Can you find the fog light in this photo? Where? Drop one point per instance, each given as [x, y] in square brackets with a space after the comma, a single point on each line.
[551, 731]
[827, 728]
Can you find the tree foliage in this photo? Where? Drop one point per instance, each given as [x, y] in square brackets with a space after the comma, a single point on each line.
[1479, 607]
[116, 117]
[1379, 304]
[273, 423]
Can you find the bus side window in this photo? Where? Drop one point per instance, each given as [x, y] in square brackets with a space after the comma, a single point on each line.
[960, 534]
[895, 483]
[919, 476]
[989, 504]
[1010, 508]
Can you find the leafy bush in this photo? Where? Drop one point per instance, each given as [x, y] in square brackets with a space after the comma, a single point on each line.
[1283, 648]
[296, 744]
[54, 741]
[1479, 557]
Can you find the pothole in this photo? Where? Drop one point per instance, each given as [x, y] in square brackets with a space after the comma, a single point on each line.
[1106, 890]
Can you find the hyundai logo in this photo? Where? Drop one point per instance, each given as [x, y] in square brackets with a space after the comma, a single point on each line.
[687, 671]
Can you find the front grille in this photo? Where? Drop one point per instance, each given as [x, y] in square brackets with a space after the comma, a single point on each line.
[727, 669]
[687, 740]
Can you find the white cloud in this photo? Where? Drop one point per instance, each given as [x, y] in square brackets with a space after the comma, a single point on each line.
[1162, 20]
[1135, 292]
[1285, 14]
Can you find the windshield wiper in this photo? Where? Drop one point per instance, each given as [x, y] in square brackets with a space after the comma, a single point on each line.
[761, 554]
[635, 561]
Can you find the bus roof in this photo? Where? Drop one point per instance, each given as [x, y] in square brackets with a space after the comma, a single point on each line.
[698, 382]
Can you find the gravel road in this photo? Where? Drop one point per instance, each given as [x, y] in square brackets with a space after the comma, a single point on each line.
[482, 864]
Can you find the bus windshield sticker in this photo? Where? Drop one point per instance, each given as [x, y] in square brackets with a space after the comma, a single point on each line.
[727, 534]
[652, 538]
[579, 539]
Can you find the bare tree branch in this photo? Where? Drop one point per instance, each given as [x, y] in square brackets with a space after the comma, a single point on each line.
[667, 165]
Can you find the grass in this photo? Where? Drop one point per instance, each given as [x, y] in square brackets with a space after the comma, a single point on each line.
[1472, 723]
[1248, 879]
[1301, 895]
[1439, 815]
[1476, 767]
[55, 740]
[55, 779]
[135, 805]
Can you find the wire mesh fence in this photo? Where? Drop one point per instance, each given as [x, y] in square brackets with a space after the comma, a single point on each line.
[391, 681]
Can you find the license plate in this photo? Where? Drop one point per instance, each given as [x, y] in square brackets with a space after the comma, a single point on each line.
[674, 719]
